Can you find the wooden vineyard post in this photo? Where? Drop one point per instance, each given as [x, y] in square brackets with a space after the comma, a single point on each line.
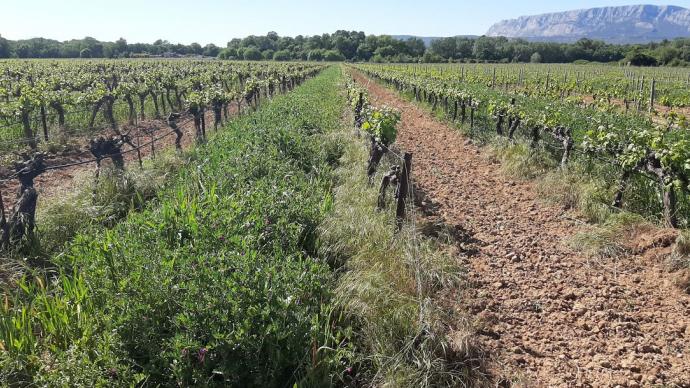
[141, 162]
[203, 119]
[651, 96]
[639, 100]
[153, 145]
[218, 114]
[358, 111]
[403, 189]
[548, 80]
[493, 80]
[3, 224]
[44, 122]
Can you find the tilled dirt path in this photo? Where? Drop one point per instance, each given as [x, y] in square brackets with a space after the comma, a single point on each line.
[546, 315]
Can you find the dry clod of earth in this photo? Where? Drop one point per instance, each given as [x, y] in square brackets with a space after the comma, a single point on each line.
[546, 315]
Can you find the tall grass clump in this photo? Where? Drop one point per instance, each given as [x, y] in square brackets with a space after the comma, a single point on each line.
[577, 189]
[610, 238]
[104, 203]
[518, 160]
[389, 286]
[679, 260]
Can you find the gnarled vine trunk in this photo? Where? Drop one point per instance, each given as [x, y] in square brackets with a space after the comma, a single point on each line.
[22, 222]
[28, 132]
[132, 112]
[668, 192]
[142, 104]
[499, 124]
[376, 152]
[44, 122]
[61, 116]
[94, 112]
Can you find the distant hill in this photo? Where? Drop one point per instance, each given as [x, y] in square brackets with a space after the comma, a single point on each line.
[626, 24]
[427, 39]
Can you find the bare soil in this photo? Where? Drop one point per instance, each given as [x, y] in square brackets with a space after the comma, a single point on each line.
[544, 314]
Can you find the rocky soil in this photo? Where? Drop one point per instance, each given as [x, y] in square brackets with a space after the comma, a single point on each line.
[544, 314]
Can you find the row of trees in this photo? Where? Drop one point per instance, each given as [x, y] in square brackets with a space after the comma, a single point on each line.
[357, 46]
[92, 48]
[500, 49]
[342, 45]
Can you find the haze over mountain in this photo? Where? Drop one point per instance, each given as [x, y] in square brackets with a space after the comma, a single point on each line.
[625, 24]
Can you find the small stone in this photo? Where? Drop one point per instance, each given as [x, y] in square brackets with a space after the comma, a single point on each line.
[498, 284]
[627, 364]
[648, 349]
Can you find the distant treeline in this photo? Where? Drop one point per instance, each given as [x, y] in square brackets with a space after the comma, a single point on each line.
[357, 46]
[92, 48]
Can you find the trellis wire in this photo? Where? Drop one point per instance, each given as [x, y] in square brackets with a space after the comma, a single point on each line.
[93, 160]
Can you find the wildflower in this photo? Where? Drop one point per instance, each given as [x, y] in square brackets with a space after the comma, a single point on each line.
[202, 355]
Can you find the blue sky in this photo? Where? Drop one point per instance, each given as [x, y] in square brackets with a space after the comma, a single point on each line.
[217, 21]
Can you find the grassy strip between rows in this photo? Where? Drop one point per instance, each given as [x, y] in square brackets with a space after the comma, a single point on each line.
[261, 263]
[217, 283]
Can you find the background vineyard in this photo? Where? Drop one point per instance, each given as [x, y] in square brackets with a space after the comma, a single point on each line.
[252, 261]
[608, 117]
[51, 100]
